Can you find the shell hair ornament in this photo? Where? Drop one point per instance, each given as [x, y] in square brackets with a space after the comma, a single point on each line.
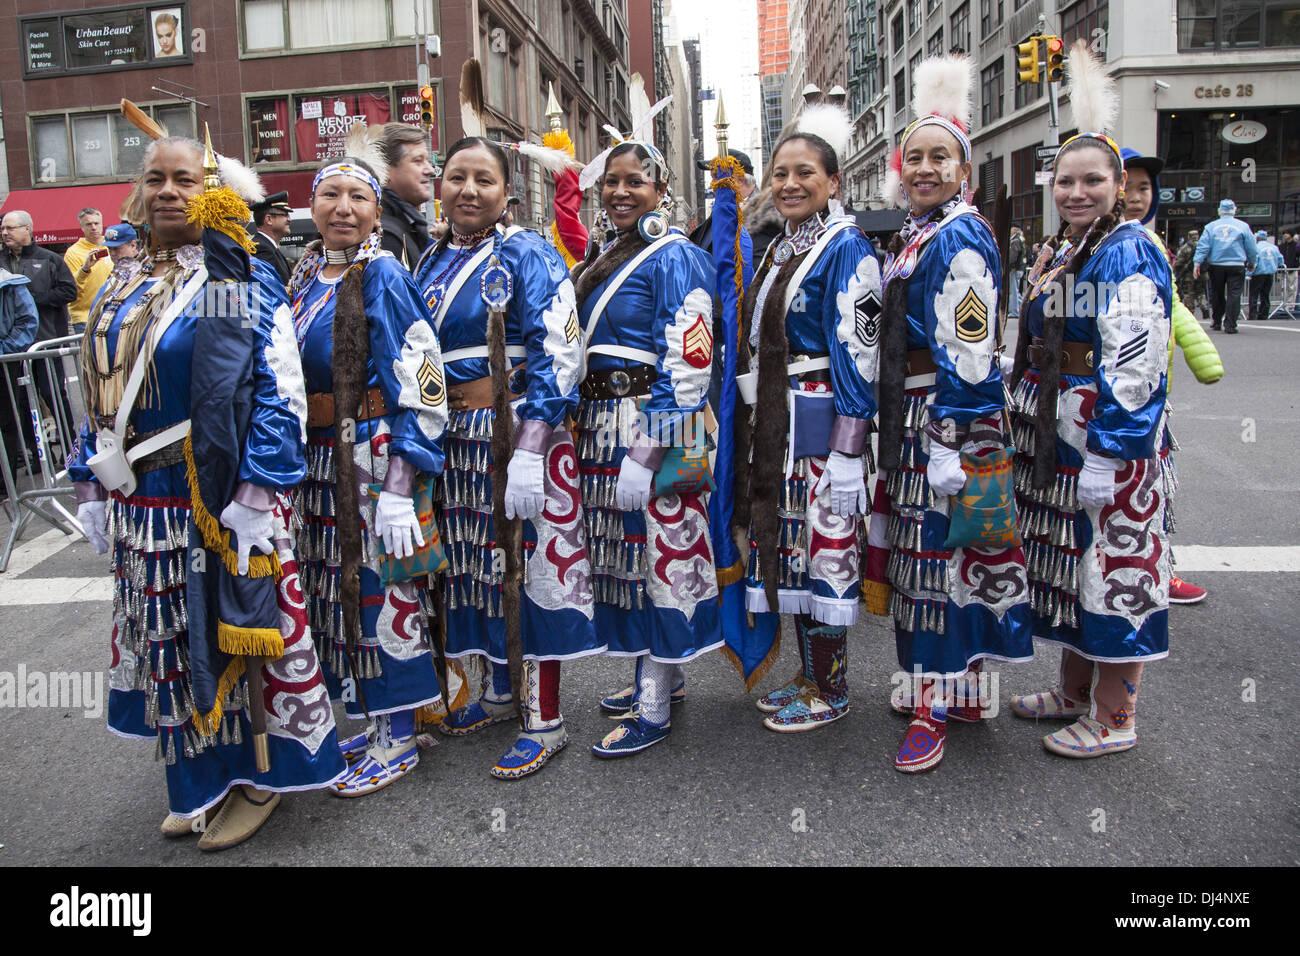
[941, 97]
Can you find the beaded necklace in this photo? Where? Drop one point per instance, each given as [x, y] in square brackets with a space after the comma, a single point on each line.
[465, 247]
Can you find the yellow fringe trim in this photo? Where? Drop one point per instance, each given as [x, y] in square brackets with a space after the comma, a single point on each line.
[728, 576]
[761, 670]
[255, 641]
[209, 724]
[558, 139]
[223, 210]
[731, 175]
[217, 538]
[559, 245]
[875, 595]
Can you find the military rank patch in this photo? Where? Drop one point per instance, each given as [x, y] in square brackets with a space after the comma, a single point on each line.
[866, 319]
[697, 344]
[429, 378]
[972, 318]
[571, 329]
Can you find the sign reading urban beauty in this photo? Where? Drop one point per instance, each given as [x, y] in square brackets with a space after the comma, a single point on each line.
[100, 40]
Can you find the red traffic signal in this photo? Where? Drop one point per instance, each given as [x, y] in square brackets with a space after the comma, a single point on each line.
[427, 112]
[1055, 59]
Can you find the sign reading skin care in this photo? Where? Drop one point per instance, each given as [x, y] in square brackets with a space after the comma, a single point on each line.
[105, 38]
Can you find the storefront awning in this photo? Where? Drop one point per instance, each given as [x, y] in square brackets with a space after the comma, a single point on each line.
[54, 211]
[880, 221]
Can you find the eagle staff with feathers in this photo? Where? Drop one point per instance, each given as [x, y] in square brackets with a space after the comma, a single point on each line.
[812, 313]
[956, 598]
[375, 414]
[1089, 385]
[193, 391]
[518, 586]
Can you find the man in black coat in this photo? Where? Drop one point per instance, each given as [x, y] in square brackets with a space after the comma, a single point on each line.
[52, 287]
[270, 225]
[410, 184]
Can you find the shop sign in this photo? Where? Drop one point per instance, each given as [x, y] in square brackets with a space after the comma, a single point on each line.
[96, 41]
[1243, 132]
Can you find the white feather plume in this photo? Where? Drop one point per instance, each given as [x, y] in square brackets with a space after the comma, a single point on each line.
[553, 160]
[943, 86]
[246, 183]
[596, 168]
[891, 191]
[363, 143]
[1092, 92]
[831, 123]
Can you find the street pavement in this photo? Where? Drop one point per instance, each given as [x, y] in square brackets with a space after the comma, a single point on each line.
[1213, 780]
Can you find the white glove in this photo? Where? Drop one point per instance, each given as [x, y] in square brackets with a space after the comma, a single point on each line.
[843, 475]
[397, 523]
[252, 528]
[1007, 361]
[1097, 480]
[93, 518]
[525, 485]
[944, 472]
[632, 493]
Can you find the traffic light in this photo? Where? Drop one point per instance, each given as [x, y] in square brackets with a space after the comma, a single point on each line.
[1055, 59]
[1027, 61]
[426, 106]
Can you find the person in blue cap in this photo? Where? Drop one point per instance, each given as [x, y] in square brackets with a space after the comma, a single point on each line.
[122, 241]
[1261, 277]
[1227, 248]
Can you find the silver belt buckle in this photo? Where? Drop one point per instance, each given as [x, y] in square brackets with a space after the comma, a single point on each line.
[620, 382]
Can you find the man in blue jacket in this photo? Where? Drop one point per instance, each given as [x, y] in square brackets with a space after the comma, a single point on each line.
[1228, 247]
[1261, 277]
[18, 321]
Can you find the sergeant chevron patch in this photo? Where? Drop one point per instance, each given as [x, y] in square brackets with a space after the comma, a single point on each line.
[429, 378]
[972, 318]
[697, 344]
[571, 329]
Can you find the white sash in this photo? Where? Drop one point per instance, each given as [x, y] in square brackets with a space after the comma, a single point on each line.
[463, 276]
[620, 277]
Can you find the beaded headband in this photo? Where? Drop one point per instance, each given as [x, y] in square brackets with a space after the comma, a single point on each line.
[346, 169]
[1101, 136]
[950, 126]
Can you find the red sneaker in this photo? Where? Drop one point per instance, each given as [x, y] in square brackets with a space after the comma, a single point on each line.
[1180, 592]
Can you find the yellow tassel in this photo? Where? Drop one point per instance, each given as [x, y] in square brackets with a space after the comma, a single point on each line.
[217, 538]
[728, 576]
[558, 243]
[875, 595]
[223, 210]
[558, 139]
[209, 724]
[762, 669]
[256, 641]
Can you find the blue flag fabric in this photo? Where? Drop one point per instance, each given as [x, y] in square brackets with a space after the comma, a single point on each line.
[752, 641]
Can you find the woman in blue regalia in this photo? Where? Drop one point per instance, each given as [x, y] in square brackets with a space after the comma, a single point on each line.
[941, 396]
[376, 411]
[1089, 388]
[813, 310]
[647, 318]
[193, 344]
[481, 261]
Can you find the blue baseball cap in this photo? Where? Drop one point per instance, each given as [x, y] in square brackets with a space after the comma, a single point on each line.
[119, 235]
[1153, 165]
[1227, 205]
[1261, 234]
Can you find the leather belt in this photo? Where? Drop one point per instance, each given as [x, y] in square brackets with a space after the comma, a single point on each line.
[1076, 357]
[164, 457]
[320, 408]
[618, 382]
[920, 362]
[812, 375]
[476, 393]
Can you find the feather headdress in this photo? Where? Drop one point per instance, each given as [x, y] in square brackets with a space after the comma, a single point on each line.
[831, 123]
[942, 96]
[596, 168]
[471, 98]
[364, 143]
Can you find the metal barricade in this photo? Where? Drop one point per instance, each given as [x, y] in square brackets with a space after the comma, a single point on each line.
[1285, 287]
[47, 430]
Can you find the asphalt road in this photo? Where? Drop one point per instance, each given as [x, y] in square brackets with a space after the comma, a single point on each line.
[1212, 781]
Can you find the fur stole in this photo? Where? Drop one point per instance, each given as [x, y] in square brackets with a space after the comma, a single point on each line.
[893, 372]
[509, 532]
[589, 274]
[348, 360]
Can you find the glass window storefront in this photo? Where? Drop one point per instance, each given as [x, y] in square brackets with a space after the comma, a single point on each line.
[1249, 156]
[1238, 24]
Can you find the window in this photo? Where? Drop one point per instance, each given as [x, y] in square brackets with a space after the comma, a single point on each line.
[913, 16]
[896, 29]
[97, 145]
[990, 181]
[1088, 19]
[932, 5]
[912, 64]
[990, 16]
[959, 28]
[277, 25]
[900, 88]
[934, 46]
[1027, 93]
[1237, 24]
[1026, 195]
[991, 93]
